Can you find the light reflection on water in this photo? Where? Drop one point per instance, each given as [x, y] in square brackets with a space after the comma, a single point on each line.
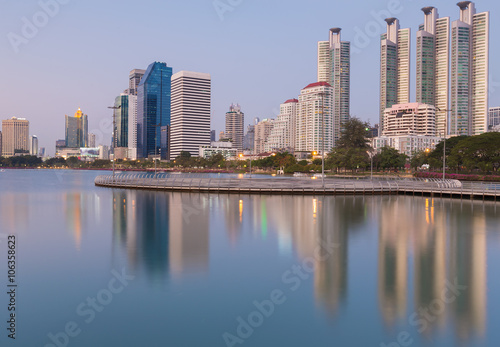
[394, 258]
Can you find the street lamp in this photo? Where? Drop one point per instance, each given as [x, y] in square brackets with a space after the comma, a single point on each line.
[114, 108]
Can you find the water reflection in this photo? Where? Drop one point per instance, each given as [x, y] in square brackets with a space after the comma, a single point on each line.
[423, 246]
[162, 232]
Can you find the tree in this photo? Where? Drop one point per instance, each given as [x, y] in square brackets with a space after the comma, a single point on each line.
[435, 158]
[477, 153]
[390, 158]
[418, 159]
[354, 134]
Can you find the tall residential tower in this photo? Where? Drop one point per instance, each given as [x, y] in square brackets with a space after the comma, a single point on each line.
[433, 65]
[394, 66]
[235, 120]
[469, 71]
[334, 61]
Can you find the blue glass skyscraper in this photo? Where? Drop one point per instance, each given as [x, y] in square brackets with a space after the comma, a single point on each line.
[153, 110]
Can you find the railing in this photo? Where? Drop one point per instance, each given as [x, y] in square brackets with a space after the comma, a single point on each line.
[264, 184]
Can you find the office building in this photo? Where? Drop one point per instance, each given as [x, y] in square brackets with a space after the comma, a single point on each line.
[262, 132]
[134, 79]
[235, 120]
[469, 71]
[394, 67]
[15, 137]
[125, 117]
[315, 123]
[153, 110]
[433, 64]
[282, 136]
[212, 136]
[410, 119]
[76, 130]
[190, 119]
[41, 152]
[0, 143]
[34, 145]
[334, 58]
[91, 140]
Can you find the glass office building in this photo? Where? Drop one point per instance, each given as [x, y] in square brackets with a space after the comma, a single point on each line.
[121, 121]
[153, 111]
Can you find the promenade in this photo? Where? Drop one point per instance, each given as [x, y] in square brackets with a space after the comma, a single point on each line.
[302, 186]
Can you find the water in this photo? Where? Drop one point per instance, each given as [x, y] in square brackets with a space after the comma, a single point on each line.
[342, 271]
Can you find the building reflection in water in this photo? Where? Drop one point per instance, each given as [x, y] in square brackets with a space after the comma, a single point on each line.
[162, 232]
[448, 243]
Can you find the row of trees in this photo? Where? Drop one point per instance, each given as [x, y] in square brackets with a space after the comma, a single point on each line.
[464, 154]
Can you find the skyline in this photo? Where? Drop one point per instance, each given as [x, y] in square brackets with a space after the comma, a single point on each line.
[231, 50]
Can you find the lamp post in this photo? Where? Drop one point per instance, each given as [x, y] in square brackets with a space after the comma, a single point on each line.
[443, 135]
[114, 108]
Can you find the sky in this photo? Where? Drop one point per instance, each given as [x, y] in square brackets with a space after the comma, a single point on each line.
[58, 55]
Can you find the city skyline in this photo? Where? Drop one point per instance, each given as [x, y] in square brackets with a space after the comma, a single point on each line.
[272, 83]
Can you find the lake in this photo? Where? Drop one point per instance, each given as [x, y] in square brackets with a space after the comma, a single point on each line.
[111, 267]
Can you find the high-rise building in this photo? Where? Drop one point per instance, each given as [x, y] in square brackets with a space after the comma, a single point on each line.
[0, 143]
[334, 61]
[15, 136]
[235, 120]
[92, 140]
[134, 79]
[282, 136]
[394, 67]
[42, 153]
[132, 127]
[77, 130]
[315, 123]
[34, 145]
[433, 64]
[153, 110]
[469, 71]
[262, 132]
[191, 103]
[212, 136]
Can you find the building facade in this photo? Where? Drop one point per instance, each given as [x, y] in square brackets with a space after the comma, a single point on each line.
[34, 145]
[235, 120]
[282, 136]
[134, 79]
[224, 148]
[76, 130]
[407, 144]
[494, 117]
[262, 132]
[394, 67]
[315, 121]
[191, 110]
[469, 71]
[15, 136]
[334, 65]
[433, 65]
[410, 119]
[153, 110]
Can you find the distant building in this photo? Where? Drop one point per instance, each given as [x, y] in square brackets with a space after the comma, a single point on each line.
[91, 140]
[34, 145]
[134, 78]
[120, 133]
[221, 136]
[103, 152]
[407, 144]
[494, 117]
[77, 130]
[235, 120]
[0, 143]
[373, 131]
[190, 119]
[42, 153]
[249, 139]
[15, 137]
[212, 136]
[410, 119]
[153, 110]
[394, 67]
[282, 136]
[262, 132]
[224, 148]
[315, 123]
[334, 66]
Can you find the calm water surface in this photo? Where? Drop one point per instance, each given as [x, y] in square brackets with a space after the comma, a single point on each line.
[111, 267]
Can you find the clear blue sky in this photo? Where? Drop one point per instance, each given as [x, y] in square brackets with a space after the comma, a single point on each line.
[259, 53]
